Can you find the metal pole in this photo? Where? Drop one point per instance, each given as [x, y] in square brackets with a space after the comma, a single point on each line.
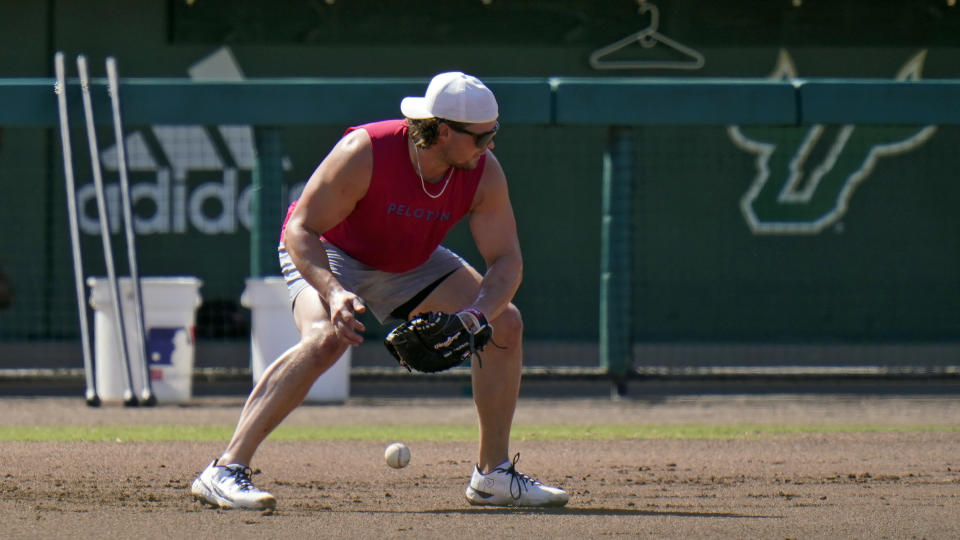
[146, 391]
[129, 399]
[93, 400]
[616, 258]
[267, 203]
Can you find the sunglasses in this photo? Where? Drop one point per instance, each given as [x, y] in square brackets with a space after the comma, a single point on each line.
[482, 140]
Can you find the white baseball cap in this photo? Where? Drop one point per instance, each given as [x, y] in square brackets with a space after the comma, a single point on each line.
[453, 96]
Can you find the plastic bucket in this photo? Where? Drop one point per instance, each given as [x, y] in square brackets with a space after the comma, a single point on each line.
[169, 312]
[273, 332]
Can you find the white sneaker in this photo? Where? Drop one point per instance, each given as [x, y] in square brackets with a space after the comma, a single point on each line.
[504, 486]
[229, 486]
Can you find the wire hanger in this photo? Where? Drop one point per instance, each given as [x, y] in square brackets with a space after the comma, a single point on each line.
[648, 37]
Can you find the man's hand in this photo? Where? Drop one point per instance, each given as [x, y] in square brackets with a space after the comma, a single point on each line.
[344, 308]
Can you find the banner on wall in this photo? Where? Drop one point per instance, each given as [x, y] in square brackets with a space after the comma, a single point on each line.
[185, 179]
[804, 180]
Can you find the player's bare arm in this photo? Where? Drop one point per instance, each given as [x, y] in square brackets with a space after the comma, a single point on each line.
[494, 230]
[330, 195]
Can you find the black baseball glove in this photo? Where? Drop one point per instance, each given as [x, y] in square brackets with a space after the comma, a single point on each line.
[438, 341]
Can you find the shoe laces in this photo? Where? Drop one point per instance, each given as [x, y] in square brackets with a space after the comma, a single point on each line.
[519, 481]
[241, 477]
[474, 352]
[474, 324]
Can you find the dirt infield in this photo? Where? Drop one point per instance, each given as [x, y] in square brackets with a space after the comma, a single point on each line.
[865, 485]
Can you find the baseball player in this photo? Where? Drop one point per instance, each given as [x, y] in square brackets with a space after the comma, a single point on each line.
[366, 234]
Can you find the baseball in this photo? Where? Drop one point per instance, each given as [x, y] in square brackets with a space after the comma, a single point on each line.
[397, 455]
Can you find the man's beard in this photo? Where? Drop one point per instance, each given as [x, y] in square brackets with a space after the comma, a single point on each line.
[468, 166]
[465, 165]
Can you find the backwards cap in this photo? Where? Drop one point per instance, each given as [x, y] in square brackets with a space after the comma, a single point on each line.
[453, 96]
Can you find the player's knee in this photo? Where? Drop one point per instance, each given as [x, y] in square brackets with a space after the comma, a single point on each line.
[322, 346]
[508, 327]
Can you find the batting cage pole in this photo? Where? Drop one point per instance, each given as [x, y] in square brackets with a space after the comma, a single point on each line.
[146, 397]
[90, 394]
[129, 399]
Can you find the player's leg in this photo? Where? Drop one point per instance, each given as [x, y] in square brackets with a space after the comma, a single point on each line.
[287, 381]
[496, 388]
[284, 385]
[497, 384]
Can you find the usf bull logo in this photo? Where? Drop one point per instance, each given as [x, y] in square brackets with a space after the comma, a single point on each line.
[806, 176]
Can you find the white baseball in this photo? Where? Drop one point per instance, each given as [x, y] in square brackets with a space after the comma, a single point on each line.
[397, 455]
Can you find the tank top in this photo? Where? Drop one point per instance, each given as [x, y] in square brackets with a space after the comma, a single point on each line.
[395, 227]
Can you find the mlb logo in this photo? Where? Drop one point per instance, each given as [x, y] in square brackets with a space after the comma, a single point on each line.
[164, 346]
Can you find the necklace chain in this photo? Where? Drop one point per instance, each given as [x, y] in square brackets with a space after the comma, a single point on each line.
[423, 183]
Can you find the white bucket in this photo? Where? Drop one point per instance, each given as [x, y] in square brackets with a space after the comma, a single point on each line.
[273, 332]
[169, 312]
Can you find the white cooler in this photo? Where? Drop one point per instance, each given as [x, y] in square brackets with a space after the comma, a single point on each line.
[169, 312]
[273, 331]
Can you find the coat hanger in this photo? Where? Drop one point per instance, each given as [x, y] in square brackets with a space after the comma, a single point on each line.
[648, 37]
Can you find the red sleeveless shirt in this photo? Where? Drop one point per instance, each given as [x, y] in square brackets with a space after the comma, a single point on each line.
[396, 226]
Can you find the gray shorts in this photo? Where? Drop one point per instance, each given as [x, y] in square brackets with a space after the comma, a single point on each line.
[382, 292]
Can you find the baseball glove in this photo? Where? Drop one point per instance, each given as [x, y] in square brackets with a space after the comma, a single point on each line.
[437, 341]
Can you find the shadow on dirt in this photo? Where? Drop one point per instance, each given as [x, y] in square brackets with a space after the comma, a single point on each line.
[588, 512]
